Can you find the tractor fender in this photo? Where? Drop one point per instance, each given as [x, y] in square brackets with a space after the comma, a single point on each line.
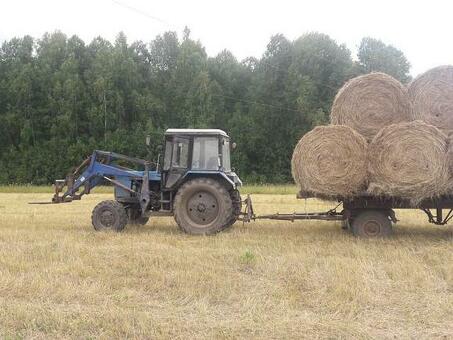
[211, 174]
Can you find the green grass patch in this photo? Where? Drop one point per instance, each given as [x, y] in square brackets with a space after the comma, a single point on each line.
[247, 257]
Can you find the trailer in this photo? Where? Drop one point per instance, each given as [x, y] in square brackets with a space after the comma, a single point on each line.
[365, 215]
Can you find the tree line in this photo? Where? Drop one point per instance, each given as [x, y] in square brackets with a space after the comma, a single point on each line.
[60, 98]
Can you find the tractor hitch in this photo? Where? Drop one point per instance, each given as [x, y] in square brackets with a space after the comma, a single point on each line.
[248, 214]
[330, 215]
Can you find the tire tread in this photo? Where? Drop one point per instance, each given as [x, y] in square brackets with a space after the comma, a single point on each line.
[224, 196]
[115, 205]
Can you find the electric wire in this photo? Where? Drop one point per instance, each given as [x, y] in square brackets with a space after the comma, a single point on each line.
[139, 11]
[261, 61]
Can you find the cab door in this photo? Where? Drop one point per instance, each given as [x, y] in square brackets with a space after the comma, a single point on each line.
[176, 160]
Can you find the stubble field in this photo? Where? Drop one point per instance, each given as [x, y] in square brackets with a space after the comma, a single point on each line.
[61, 279]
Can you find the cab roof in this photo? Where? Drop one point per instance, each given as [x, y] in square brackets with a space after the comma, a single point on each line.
[196, 132]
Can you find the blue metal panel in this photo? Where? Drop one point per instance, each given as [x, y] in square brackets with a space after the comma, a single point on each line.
[120, 192]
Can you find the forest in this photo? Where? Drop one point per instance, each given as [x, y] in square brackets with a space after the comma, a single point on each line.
[61, 98]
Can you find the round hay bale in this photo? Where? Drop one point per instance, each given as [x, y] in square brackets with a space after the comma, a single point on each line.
[370, 102]
[330, 162]
[450, 161]
[431, 94]
[408, 160]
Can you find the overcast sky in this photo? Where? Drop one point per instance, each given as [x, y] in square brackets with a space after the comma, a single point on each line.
[421, 29]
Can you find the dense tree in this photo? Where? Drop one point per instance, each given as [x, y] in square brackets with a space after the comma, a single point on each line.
[60, 98]
[374, 55]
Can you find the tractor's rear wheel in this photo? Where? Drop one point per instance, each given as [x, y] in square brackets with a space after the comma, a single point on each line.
[372, 223]
[237, 207]
[203, 206]
[109, 215]
[135, 217]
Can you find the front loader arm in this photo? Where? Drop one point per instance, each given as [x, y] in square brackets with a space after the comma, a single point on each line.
[91, 172]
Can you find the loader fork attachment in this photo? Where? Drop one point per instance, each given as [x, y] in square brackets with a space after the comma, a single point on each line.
[68, 195]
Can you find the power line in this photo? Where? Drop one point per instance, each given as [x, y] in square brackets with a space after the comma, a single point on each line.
[139, 11]
[258, 103]
[262, 60]
[286, 71]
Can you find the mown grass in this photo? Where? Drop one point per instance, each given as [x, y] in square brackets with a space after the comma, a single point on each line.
[268, 279]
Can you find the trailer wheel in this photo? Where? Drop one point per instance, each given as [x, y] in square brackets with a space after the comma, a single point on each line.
[372, 223]
[203, 206]
[135, 217]
[109, 215]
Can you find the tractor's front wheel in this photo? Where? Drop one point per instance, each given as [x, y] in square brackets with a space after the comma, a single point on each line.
[135, 217]
[203, 206]
[109, 215]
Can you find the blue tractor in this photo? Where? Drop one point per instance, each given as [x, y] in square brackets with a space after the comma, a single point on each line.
[195, 184]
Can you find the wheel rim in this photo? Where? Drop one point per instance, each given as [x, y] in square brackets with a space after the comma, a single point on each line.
[202, 208]
[372, 228]
[107, 218]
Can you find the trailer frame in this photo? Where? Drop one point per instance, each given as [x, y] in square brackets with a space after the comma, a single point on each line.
[365, 214]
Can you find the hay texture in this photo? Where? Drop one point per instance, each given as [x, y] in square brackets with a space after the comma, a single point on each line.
[450, 162]
[370, 102]
[330, 162]
[408, 160]
[431, 94]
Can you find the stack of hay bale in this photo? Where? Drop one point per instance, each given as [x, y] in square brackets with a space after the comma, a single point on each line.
[384, 139]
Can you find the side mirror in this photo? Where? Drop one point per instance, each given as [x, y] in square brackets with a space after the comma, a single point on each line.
[233, 146]
[148, 140]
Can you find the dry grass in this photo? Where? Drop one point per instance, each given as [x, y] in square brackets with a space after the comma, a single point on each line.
[60, 279]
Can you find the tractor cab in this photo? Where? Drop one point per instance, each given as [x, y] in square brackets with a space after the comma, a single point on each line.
[193, 153]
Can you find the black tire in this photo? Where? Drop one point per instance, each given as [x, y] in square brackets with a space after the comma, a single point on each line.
[109, 215]
[203, 206]
[135, 217]
[237, 207]
[372, 223]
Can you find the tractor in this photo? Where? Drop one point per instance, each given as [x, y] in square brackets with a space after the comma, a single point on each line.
[195, 183]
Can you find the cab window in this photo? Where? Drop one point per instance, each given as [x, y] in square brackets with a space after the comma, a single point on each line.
[205, 153]
[167, 159]
[180, 153]
[226, 155]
